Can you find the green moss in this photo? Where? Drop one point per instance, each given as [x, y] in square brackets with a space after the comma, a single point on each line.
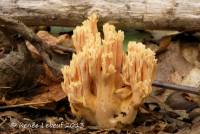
[135, 35]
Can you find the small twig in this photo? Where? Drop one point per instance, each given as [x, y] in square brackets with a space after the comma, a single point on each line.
[4, 120]
[22, 105]
[64, 49]
[5, 87]
[170, 86]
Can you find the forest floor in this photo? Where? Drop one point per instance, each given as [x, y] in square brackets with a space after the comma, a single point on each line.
[32, 100]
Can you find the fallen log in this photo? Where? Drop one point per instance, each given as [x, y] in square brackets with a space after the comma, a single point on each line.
[136, 14]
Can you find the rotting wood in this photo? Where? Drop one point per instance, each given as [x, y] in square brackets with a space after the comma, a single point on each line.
[124, 14]
[28, 34]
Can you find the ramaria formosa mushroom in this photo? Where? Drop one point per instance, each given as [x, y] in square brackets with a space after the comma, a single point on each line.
[105, 85]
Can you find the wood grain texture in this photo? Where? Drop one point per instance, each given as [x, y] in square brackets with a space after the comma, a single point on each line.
[125, 14]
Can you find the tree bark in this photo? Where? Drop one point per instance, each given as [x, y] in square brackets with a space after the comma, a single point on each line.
[125, 14]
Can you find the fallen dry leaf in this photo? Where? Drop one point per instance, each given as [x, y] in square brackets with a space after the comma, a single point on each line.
[47, 95]
[51, 40]
[50, 91]
[172, 62]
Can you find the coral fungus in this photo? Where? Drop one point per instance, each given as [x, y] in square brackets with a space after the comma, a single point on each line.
[105, 85]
